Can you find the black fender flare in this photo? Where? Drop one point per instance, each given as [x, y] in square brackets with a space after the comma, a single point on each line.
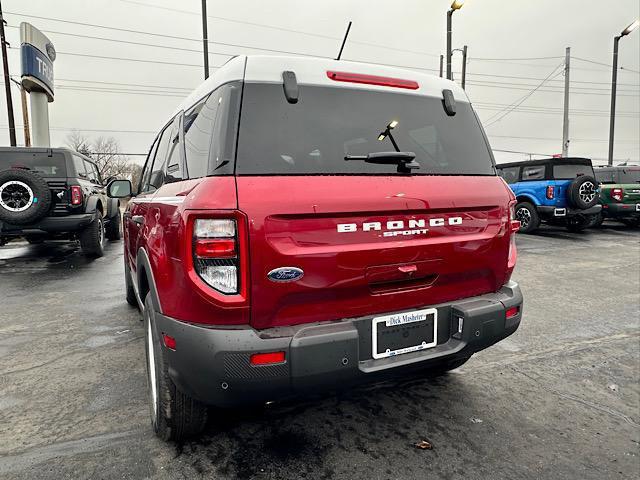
[92, 204]
[144, 273]
[113, 207]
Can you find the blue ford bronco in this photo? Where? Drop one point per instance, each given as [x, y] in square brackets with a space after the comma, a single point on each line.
[554, 190]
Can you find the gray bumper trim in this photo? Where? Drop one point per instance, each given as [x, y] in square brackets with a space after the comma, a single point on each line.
[212, 364]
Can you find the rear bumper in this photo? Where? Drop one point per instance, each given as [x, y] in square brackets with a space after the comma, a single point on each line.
[555, 212]
[212, 364]
[621, 210]
[68, 223]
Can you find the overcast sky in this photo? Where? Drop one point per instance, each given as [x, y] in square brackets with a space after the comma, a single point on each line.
[513, 45]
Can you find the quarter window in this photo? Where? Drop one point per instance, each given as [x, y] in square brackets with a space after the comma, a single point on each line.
[81, 169]
[509, 174]
[533, 173]
[156, 178]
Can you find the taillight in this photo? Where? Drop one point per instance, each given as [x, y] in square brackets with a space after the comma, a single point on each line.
[215, 253]
[514, 226]
[617, 194]
[76, 195]
[550, 192]
[372, 80]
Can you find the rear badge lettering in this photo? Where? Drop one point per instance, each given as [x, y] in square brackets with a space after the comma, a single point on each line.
[395, 228]
[285, 274]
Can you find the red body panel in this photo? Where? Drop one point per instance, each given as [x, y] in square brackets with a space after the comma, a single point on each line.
[292, 221]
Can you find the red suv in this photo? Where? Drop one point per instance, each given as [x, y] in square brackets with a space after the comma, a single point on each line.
[306, 224]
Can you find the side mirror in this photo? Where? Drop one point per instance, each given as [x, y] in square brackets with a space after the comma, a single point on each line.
[119, 189]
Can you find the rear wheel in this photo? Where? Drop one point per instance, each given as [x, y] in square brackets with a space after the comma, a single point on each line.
[174, 415]
[631, 222]
[527, 214]
[92, 237]
[4, 241]
[34, 239]
[577, 224]
[595, 221]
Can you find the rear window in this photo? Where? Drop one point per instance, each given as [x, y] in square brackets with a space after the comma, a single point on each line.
[313, 136]
[46, 166]
[629, 175]
[569, 172]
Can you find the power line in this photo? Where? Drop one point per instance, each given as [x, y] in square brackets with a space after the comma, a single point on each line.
[497, 117]
[114, 40]
[605, 64]
[283, 29]
[127, 59]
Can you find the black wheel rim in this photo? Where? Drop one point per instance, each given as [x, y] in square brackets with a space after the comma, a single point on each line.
[16, 196]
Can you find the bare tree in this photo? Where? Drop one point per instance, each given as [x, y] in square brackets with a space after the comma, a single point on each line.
[105, 153]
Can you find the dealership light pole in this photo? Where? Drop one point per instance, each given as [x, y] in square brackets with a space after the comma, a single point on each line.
[456, 5]
[614, 79]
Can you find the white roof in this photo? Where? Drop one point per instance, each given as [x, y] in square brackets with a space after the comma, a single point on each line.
[313, 71]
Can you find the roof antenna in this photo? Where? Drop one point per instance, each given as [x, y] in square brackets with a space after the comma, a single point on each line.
[344, 40]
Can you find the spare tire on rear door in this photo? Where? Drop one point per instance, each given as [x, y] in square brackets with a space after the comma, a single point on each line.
[25, 197]
[583, 192]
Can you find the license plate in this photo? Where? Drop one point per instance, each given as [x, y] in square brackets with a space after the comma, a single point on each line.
[404, 332]
[637, 207]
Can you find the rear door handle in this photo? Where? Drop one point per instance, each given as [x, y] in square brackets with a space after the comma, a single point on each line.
[139, 219]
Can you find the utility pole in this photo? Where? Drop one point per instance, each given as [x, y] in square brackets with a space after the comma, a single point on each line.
[464, 66]
[205, 39]
[565, 122]
[449, 14]
[441, 64]
[7, 82]
[25, 114]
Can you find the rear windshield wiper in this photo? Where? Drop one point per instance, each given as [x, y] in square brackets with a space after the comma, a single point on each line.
[404, 160]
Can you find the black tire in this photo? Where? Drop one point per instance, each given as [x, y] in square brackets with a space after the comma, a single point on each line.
[631, 222]
[113, 229]
[583, 192]
[577, 223]
[25, 197]
[34, 239]
[595, 221]
[4, 241]
[528, 215]
[174, 415]
[92, 238]
[131, 293]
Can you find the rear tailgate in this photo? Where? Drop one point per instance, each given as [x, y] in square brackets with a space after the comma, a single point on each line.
[446, 240]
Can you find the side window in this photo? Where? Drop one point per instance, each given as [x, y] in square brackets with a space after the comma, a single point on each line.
[509, 174]
[199, 122]
[79, 165]
[225, 131]
[533, 173]
[92, 173]
[174, 171]
[148, 166]
[156, 178]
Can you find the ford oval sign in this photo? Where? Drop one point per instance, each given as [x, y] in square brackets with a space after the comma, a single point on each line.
[285, 274]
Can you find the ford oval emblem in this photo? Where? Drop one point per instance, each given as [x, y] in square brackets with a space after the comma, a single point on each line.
[285, 274]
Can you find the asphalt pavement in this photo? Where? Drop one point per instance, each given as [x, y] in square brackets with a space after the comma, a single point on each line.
[560, 399]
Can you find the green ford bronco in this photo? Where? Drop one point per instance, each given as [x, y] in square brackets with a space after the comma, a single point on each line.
[619, 194]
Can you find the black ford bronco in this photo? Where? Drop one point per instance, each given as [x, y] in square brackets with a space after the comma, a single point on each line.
[55, 193]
